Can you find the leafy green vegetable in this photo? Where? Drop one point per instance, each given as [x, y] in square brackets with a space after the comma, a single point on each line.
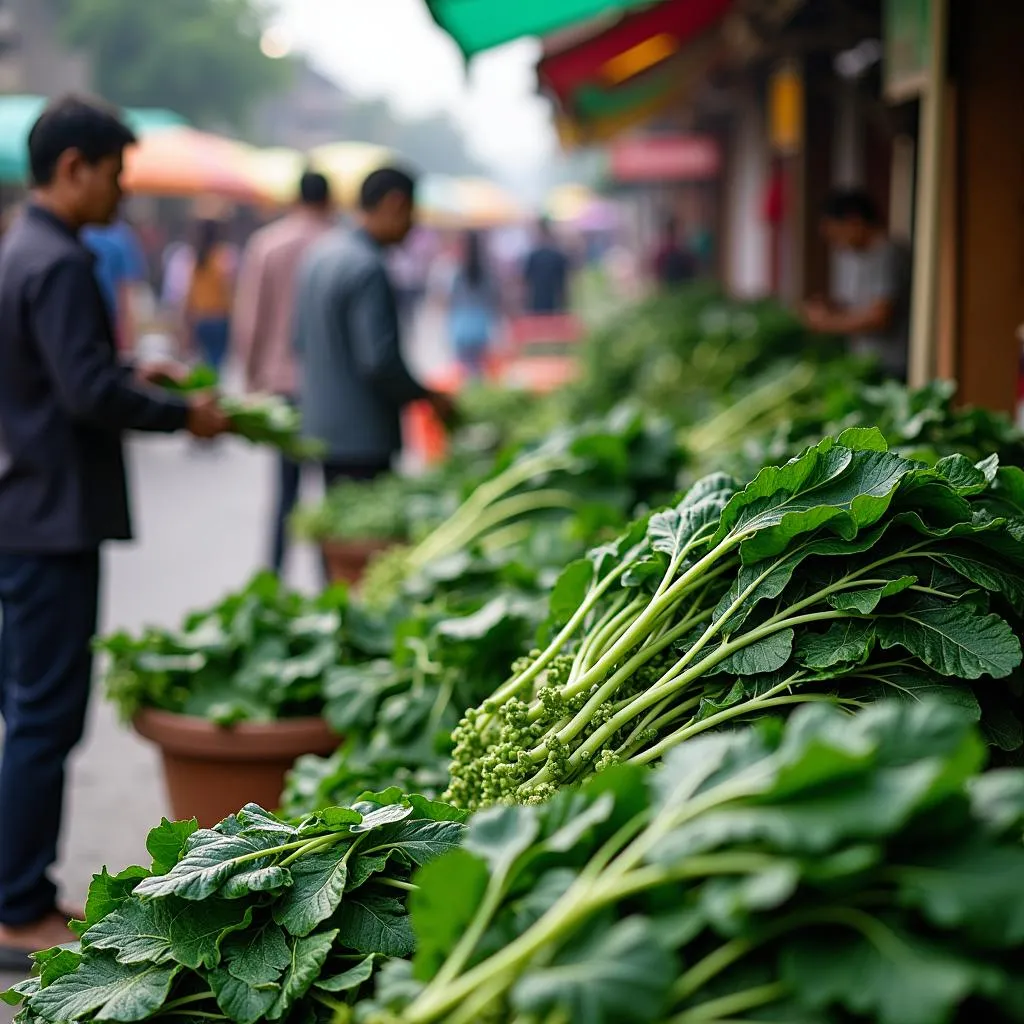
[847, 573]
[261, 654]
[842, 869]
[256, 919]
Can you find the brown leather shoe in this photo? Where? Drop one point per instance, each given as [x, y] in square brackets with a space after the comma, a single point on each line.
[19, 942]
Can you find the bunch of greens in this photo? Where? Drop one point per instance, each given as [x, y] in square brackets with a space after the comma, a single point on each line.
[922, 423]
[397, 714]
[682, 354]
[391, 507]
[261, 654]
[840, 870]
[261, 419]
[846, 574]
[593, 476]
[252, 920]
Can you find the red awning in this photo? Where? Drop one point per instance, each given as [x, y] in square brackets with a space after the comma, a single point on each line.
[629, 47]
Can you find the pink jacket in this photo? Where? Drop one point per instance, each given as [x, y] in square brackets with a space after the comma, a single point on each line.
[265, 300]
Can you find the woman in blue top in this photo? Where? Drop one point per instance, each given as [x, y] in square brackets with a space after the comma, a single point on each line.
[474, 308]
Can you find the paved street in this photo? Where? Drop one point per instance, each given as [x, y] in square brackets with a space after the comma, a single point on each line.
[202, 519]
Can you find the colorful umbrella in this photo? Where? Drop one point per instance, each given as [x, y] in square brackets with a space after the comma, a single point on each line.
[19, 113]
[485, 204]
[478, 25]
[347, 164]
[186, 162]
[276, 172]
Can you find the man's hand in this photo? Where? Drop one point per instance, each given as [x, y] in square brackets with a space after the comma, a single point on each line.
[817, 316]
[443, 406]
[163, 371]
[206, 419]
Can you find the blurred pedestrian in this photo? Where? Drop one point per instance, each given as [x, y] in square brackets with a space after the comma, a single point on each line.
[673, 263]
[546, 274]
[64, 403]
[121, 270]
[872, 304]
[474, 308]
[262, 323]
[210, 296]
[355, 382]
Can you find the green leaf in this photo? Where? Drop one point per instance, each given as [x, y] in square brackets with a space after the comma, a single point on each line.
[416, 840]
[306, 959]
[849, 642]
[138, 932]
[608, 976]
[983, 571]
[211, 859]
[108, 892]
[827, 485]
[865, 439]
[256, 957]
[997, 798]
[243, 1003]
[449, 894]
[166, 843]
[964, 477]
[197, 930]
[104, 989]
[973, 889]
[500, 835]
[902, 980]
[349, 980]
[570, 590]
[66, 962]
[371, 923]
[768, 654]
[954, 640]
[265, 879]
[381, 816]
[318, 883]
[865, 601]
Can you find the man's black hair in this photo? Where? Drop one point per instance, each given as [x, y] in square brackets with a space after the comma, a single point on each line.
[92, 128]
[850, 204]
[382, 183]
[314, 189]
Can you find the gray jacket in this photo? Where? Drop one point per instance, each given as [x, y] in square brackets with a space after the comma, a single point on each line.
[354, 380]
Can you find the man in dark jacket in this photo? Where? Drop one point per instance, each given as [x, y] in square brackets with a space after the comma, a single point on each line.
[64, 402]
[355, 382]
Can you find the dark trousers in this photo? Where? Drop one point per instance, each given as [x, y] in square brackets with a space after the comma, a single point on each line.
[49, 606]
[339, 472]
[289, 483]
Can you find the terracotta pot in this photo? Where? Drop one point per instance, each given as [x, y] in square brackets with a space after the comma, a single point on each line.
[347, 560]
[211, 771]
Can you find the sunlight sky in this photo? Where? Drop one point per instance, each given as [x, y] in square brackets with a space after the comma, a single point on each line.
[391, 48]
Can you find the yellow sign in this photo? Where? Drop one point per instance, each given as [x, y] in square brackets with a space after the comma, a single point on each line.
[786, 109]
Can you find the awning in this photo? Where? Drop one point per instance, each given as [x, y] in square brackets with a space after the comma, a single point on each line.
[19, 113]
[348, 164]
[598, 113]
[637, 44]
[478, 25]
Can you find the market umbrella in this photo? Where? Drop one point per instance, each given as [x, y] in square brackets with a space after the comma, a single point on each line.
[438, 201]
[186, 162]
[485, 204]
[347, 164]
[19, 113]
[478, 25]
[276, 172]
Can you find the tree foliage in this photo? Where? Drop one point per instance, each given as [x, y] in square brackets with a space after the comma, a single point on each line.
[199, 57]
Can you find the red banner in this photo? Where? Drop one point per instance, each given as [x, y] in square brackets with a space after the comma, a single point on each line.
[665, 158]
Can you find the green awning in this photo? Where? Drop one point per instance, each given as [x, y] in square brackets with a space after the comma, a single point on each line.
[19, 113]
[478, 25]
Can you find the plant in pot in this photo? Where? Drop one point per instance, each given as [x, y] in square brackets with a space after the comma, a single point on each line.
[359, 520]
[234, 695]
